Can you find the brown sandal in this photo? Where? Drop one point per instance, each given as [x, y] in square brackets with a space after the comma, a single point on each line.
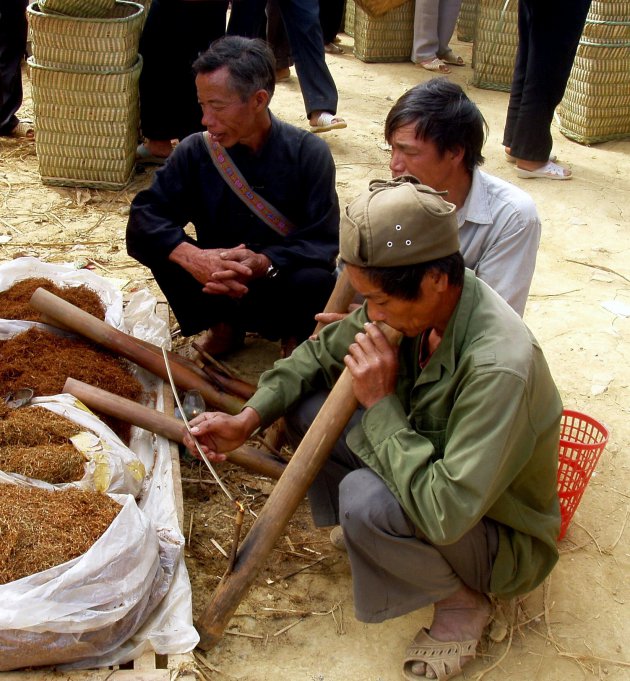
[442, 656]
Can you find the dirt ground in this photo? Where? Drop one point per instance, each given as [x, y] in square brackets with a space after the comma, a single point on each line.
[297, 623]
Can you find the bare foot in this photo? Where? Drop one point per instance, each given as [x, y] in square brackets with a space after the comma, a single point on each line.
[460, 617]
[161, 148]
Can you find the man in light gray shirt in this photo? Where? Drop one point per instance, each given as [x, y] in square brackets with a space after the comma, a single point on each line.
[436, 133]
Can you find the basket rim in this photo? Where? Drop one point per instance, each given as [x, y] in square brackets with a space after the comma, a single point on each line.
[68, 17]
[605, 431]
[104, 72]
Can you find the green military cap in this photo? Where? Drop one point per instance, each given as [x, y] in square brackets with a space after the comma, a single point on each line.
[397, 222]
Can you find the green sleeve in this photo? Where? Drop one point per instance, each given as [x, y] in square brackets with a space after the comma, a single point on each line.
[445, 493]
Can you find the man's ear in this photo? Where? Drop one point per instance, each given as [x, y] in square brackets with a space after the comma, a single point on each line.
[439, 280]
[260, 99]
[457, 154]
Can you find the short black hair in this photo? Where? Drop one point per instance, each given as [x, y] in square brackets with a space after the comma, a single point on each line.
[403, 281]
[250, 63]
[443, 114]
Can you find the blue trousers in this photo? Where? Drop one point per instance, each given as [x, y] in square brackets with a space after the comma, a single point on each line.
[12, 48]
[301, 18]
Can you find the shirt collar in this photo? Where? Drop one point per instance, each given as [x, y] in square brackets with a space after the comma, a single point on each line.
[449, 349]
[476, 208]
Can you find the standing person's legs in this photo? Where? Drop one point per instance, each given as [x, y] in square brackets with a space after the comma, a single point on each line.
[301, 17]
[247, 18]
[425, 32]
[330, 16]
[279, 40]
[12, 48]
[448, 13]
[518, 77]
[168, 97]
[554, 33]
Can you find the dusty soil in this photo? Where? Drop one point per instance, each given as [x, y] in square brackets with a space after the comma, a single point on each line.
[300, 625]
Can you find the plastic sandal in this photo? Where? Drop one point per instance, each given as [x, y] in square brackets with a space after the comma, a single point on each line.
[435, 64]
[449, 57]
[443, 657]
[327, 121]
[550, 171]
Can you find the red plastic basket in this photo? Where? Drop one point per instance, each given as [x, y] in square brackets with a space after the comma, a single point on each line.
[582, 440]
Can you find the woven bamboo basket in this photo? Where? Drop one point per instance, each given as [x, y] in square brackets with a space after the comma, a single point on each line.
[95, 44]
[78, 8]
[495, 45]
[596, 103]
[348, 25]
[87, 125]
[388, 38]
[466, 21]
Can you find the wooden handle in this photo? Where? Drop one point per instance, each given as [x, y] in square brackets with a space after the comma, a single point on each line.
[300, 472]
[77, 320]
[168, 426]
[340, 298]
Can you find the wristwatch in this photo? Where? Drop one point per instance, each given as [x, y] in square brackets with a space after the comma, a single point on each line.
[272, 271]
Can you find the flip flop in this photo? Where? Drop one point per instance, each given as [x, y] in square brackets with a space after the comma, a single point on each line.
[449, 57]
[435, 64]
[327, 121]
[24, 129]
[510, 159]
[550, 171]
[143, 155]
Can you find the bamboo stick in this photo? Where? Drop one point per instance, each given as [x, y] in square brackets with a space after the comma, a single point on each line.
[89, 326]
[340, 298]
[168, 426]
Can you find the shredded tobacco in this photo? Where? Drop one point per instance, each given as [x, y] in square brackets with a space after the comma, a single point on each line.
[14, 301]
[40, 529]
[43, 361]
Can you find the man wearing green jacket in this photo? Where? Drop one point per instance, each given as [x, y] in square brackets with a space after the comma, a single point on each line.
[445, 480]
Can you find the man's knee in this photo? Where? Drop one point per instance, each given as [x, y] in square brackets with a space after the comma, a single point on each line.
[365, 503]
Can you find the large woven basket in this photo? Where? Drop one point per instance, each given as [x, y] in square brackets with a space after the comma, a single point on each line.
[78, 8]
[495, 45]
[596, 103]
[388, 38]
[466, 21]
[87, 125]
[348, 25]
[97, 44]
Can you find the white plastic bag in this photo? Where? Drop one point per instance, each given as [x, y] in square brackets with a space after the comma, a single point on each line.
[110, 467]
[89, 606]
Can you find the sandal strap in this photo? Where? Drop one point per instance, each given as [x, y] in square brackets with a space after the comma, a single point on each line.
[442, 656]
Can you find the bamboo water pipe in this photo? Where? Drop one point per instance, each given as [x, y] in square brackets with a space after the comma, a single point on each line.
[290, 489]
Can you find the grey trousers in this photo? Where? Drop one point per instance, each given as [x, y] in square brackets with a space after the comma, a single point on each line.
[395, 569]
[433, 26]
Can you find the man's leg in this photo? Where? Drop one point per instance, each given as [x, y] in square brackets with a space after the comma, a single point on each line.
[554, 31]
[12, 47]
[285, 306]
[323, 494]
[194, 310]
[395, 571]
[301, 18]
